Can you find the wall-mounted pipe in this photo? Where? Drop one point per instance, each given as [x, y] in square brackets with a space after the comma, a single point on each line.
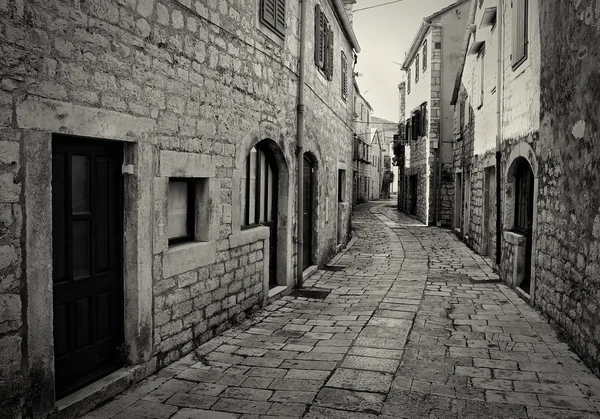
[499, 92]
[300, 147]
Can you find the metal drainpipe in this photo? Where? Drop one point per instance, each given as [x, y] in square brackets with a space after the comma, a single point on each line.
[500, 91]
[300, 146]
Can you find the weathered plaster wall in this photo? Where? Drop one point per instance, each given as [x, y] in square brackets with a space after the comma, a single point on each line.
[568, 257]
[159, 76]
[521, 91]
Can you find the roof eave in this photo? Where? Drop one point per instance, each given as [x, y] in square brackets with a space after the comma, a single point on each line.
[463, 56]
[346, 25]
[416, 44]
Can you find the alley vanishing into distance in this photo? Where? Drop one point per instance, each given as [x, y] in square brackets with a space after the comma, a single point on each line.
[415, 325]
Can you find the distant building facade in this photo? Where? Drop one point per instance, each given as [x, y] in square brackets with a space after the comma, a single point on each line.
[427, 121]
[362, 159]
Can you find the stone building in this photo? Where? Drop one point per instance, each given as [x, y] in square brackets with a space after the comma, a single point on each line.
[526, 157]
[376, 168]
[148, 178]
[387, 129]
[497, 120]
[362, 148]
[566, 253]
[430, 68]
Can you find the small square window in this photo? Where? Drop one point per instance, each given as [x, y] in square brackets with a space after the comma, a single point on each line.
[181, 210]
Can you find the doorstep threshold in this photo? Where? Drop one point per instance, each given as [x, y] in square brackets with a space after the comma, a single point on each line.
[87, 398]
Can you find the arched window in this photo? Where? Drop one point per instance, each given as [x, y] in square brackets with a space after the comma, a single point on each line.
[258, 188]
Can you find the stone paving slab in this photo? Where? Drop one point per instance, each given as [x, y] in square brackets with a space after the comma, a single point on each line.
[416, 325]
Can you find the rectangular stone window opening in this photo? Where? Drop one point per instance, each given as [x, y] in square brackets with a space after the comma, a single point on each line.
[408, 81]
[341, 185]
[187, 210]
[180, 210]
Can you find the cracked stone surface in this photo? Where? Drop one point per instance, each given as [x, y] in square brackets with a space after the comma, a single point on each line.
[416, 326]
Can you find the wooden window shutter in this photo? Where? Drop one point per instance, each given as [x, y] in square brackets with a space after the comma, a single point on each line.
[425, 55]
[344, 76]
[417, 68]
[423, 122]
[280, 16]
[317, 33]
[322, 40]
[268, 12]
[519, 31]
[329, 66]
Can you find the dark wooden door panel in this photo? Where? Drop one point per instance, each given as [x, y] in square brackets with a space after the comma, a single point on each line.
[87, 238]
[307, 213]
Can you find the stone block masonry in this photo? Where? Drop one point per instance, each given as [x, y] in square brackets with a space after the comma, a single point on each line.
[187, 88]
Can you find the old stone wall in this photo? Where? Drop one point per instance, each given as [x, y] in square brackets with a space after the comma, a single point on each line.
[568, 240]
[162, 76]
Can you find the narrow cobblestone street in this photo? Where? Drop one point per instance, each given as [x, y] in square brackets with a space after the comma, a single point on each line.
[415, 326]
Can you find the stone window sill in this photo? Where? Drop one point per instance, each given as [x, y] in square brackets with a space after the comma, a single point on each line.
[514, 238]
[188, 256]
[248, 236]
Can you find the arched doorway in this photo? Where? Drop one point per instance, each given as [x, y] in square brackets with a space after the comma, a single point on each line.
[523, 213]
[260, 179]
[307, 212]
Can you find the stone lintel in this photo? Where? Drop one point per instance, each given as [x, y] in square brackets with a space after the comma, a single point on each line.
[49, 115]
[181, 164]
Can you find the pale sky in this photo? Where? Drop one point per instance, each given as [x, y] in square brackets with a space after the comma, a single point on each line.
[385, 34]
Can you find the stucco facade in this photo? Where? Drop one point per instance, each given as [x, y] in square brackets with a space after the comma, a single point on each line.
[430, 68]
[496, 123]
[185, 90]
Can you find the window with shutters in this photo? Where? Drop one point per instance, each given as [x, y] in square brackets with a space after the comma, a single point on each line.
[344, 76]
[481, 76]
[408, 82]
[520, 30]
[417, 60]
[424, 55]
[323, 43]
[461, 116]
[272, 15]
[423, 122]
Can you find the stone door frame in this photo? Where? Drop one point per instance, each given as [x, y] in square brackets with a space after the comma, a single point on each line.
[37, 119]
[524, 151]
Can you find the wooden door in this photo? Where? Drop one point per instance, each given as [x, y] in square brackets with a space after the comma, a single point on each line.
[489, 216]
[87, 237]
[307, 214]
[413, 194]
